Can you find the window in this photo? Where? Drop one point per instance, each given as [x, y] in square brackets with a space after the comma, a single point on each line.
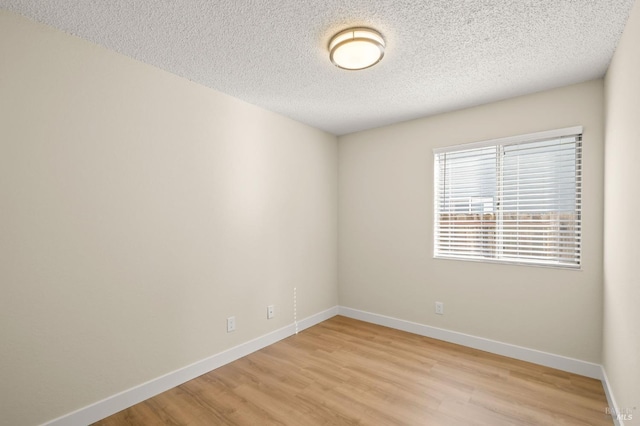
[513, 200]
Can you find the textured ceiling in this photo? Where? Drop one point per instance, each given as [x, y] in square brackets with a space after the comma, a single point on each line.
[441, 54]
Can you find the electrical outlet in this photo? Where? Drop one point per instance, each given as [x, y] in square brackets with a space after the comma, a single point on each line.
[439, 308]
[231, 324]
[271, 311]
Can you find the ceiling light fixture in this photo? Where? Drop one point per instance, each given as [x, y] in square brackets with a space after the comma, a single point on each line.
[356, 48]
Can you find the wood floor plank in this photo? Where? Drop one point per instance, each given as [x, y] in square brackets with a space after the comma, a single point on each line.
[348, 372]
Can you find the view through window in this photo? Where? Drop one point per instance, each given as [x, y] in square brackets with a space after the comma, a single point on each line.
[515, 200]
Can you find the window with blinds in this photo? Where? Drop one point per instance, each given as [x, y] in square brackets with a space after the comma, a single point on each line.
[514, 200]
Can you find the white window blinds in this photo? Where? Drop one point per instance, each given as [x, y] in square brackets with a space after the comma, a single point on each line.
[515, 200]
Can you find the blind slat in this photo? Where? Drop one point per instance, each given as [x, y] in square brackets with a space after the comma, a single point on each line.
[514, 202]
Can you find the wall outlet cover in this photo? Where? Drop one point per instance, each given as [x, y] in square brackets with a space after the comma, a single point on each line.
[231, 324]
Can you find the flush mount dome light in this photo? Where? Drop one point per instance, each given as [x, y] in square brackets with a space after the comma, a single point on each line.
[356, 48]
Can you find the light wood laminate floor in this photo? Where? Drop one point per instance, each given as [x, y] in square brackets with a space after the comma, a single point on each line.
[348, 372]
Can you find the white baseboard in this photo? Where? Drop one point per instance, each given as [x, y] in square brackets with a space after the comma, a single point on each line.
[559, 362]
[125, 399]
[613, 407]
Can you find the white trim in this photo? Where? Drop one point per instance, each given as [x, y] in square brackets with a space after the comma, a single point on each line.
[316, 319]
[127, 398]
[610, 399]
[111, 405]
[559, 362]
[510, 140]
[519, 262]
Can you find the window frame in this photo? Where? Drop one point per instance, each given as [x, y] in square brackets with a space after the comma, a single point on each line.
[501, 142]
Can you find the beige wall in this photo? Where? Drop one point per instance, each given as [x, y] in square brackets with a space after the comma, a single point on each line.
[385, 224]
[621, 341]
[138, 211]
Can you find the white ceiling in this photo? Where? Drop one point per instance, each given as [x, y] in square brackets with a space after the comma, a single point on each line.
[441, 55]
